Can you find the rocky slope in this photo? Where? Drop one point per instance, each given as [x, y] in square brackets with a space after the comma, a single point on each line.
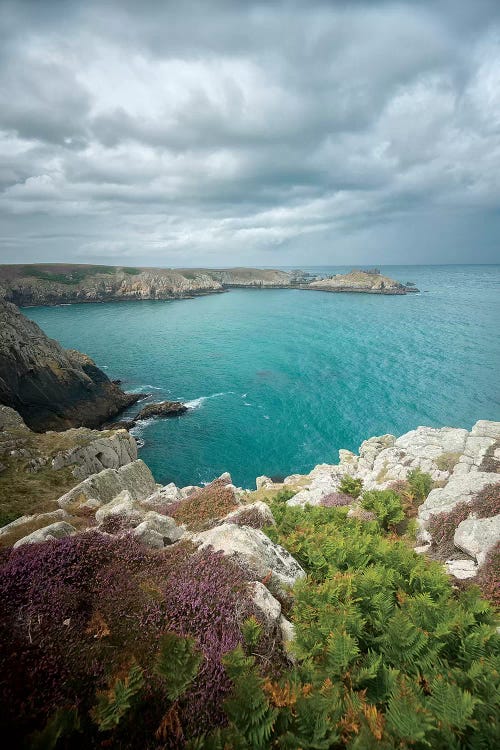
[52, 387]
[51, 284]
[362, 281]
[35, 469]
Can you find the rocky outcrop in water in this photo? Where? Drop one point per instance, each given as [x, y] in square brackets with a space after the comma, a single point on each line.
[162, 409]
[362, 281]
[51, 387]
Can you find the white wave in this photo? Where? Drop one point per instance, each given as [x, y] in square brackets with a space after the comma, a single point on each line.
[145, 388]
[138, 429]
[195, 403]
[244, 395]
[266, 417]
[245, 403]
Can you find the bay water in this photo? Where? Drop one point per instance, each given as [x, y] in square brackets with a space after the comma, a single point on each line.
[278, 380]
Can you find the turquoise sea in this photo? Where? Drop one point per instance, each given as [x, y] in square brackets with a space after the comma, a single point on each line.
[279, 380]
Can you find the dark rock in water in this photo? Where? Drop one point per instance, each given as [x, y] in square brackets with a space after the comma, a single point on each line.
[117, 381]
[162, 409]
[50, 387]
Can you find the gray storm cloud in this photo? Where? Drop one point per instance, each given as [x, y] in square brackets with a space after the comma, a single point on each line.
[235, 133]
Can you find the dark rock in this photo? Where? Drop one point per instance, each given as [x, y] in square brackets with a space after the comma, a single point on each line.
[50, 387]
[162, 409]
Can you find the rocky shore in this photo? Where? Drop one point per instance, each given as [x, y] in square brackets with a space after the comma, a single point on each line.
[51, 387]
[53, 284]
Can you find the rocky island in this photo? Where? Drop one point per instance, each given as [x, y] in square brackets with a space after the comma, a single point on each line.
[52, 284]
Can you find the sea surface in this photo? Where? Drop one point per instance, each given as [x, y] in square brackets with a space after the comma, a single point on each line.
[279, 380]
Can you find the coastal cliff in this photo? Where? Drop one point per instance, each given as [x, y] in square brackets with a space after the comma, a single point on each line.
[53, 284]
[52, 387]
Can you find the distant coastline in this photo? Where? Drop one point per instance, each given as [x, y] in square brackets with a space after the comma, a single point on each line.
[29, 285]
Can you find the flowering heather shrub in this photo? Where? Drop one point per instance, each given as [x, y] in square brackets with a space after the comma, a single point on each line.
[116, 523]
[77, 613]
[336, 500]
[212, 502]
[250, 517]
[487, 502]
[207, 599]
[442, 527]
[488, 578]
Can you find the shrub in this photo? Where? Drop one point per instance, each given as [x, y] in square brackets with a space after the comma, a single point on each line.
[351, 486]
[206, 505]
[442, 527]
[78, 613]
[387, 654]
[486, 503]
[250, 517]
[420, 484]
[387, 506]
[488, 578]
[336, 500]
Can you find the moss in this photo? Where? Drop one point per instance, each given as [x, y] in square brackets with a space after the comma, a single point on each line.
[447, 461]
[209, 504]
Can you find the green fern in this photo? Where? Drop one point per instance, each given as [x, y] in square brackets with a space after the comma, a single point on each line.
[112, 706]
[177, 663]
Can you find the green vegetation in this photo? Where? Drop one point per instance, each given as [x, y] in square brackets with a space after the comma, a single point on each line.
[420, 484]
[447, 461]
[388, 654]
[387, 506]
[131, 271]
[75, 276]
[351, 486]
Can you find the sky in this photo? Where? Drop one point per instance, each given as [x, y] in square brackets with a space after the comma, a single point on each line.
[241, 133]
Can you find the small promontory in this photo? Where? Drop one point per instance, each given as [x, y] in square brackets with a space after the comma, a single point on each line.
[50, 387]
[370, 282]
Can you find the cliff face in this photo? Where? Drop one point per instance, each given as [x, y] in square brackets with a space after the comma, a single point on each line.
[50, 387]
[250, 277]
[56, 284]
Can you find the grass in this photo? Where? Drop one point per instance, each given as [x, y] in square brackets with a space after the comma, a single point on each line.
[447, 461]
[73, 277]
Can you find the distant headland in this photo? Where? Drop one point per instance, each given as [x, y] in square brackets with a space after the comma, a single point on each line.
[53, 284]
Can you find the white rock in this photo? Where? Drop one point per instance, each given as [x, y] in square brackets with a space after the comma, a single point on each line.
[106, 485]
[122, 505]
[461, 569]
[149, 537]
[187, 491]
[53, 531]
[460, 488]
[163, 525]
[268, 606]
[476, 536]
[254, 549]
[263, 481]
[163, 496]
[42, 519]
[287, 630]
[485, 428]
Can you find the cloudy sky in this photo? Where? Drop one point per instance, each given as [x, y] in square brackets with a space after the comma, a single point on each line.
[244, 133]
